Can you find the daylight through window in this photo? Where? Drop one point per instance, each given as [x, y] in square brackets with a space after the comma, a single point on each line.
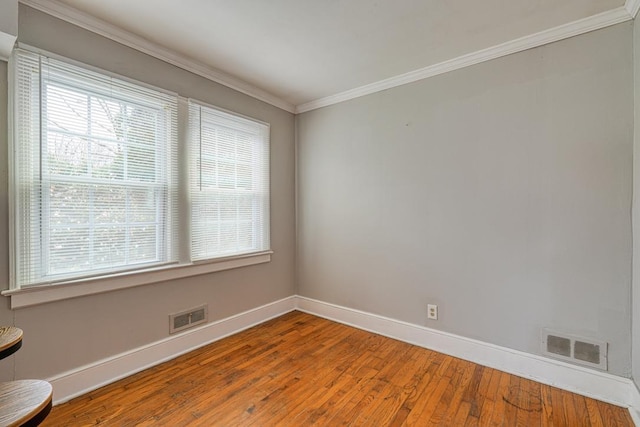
[229, 183]
[95, 176]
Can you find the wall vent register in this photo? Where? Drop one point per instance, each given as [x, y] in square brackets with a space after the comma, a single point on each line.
[574, 349]
[188, 319]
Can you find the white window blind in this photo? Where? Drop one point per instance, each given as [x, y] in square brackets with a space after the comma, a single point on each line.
[229, 183]
[94, 173]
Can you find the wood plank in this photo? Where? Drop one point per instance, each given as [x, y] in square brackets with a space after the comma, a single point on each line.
[594, 412]
[422, 412]
[344, 399]
[569, 407]
[500, 409]
[580, 409]
[422, 379]
[490, 398]
[547, 406]
[450, 402]
[462, 414]
[300, 369]
[511, 399]
[611, 417]
[559, 411]
[534, 405]
[472, 394]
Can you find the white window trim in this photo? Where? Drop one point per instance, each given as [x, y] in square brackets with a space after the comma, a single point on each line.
[41, 294]
[184, 108]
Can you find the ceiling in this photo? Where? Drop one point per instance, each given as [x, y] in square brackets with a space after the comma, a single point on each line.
[301, 51]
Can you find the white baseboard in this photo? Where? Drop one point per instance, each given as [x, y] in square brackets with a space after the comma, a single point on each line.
[577, 379]
[82, 380]
[587, 382]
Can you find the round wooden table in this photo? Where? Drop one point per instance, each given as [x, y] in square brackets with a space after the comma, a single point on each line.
[10, 340]
[24, 402]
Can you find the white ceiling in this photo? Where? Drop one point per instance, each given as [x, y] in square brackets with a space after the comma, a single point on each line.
[305, 50]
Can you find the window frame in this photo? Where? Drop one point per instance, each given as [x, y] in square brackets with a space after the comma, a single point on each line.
[127, 183]
[264, 129]
[184, 267]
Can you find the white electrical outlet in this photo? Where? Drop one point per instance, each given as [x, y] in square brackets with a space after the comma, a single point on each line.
[432, 311]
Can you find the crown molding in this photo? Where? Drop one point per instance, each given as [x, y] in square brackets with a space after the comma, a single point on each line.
[98, 26]
[632, 7]
[595, 22]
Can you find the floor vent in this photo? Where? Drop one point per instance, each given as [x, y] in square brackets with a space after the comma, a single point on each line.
[187, 319]
[571, 348]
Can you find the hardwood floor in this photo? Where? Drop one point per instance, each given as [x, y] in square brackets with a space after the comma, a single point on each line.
[300, 370]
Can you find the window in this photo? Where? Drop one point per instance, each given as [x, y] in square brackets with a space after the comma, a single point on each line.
[95, 177]
[229, 183]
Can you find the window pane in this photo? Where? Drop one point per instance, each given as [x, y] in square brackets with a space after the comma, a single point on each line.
[208, 168]
[66, 109]
[109, 246]
[230, 184]
[245, 234]
[108, 204]
[244, 176]
[67, 204]
[66, 154]
[143, 246]
[70, 249]
[107, 159]
[245, 204]
[228, 241]
[107, 119]
[143, 206]
[96, 159]
[141, 162]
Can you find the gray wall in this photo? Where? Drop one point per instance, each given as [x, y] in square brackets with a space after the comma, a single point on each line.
[500, 192]
[635, 327]
[511, 182]
[64, 335]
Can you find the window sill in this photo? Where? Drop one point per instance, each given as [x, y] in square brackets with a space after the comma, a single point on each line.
[47, 293]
